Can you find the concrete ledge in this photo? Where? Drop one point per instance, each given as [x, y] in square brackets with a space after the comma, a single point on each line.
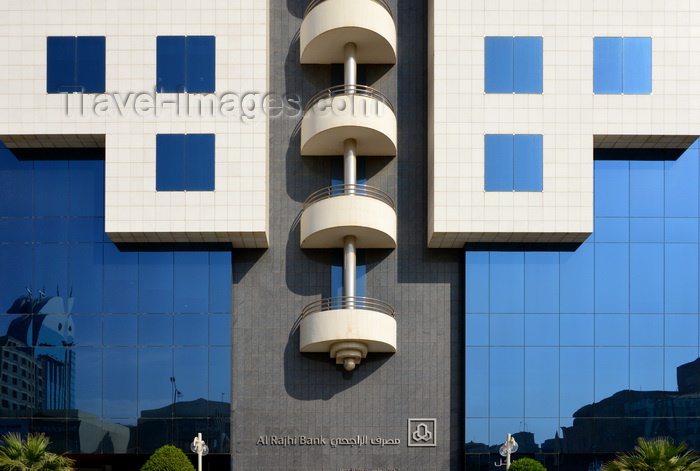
[320, 330]
[326, 222]
[333, 23]
[368, 120]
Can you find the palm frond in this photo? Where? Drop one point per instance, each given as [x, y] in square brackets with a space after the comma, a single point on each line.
[30, 454]
[656, 454]
[12, 446]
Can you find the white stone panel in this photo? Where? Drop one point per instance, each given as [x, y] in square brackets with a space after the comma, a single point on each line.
[567, 113]
[237, 211]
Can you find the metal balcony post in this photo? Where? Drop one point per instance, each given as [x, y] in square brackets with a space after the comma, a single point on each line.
[350, 267]
[350, 166]
[350, 67]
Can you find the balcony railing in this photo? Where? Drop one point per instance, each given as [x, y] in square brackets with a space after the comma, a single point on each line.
[344, 90]
[348, 302]
[314, 3]
[349, 189]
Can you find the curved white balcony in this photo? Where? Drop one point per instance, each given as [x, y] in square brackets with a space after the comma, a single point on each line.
[348, 327]
[349, 112]
[337, 211]
[330, 24]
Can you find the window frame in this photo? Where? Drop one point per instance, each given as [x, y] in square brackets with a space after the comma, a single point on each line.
[75, 64]
[182, 154]
[177, 59]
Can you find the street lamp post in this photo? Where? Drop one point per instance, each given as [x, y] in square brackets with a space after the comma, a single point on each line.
[198, 446]
[508, 447]
[176, 394]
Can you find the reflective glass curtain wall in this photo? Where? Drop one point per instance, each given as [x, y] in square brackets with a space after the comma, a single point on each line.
[580, 352]
[105, 350]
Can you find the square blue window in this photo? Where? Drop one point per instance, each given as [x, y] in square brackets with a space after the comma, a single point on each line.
[513, 64]
[75, 64]
[513, 162]
[622, 65]
[186, 64]
[185, 162]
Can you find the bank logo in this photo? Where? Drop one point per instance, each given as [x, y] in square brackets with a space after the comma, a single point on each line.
[421, 432]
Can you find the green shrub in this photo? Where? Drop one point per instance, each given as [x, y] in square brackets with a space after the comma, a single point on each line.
[17, 453]
[526, 464]
[659, 454]
[168, 458]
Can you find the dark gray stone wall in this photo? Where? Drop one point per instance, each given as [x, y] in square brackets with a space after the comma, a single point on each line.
[278, 391]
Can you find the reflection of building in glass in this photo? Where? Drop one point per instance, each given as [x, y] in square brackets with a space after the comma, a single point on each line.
[43, 373]
[82, 367]
[600, 339]
[182, 421]
[646, 414]
[615, 422]
[21, 377]
[76, 432]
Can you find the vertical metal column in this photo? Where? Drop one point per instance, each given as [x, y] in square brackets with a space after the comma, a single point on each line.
[349, 266]
[350, 67]
[350, 166]
[350, 179]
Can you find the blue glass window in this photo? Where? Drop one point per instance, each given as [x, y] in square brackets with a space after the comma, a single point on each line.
[646, 188]
[513, 162]
[507, 278]
[75, 64]
[541, 382]
[681, 278]
[577, 280]
[541, 330]
[155, 330]
[498, 161]
[337, 274]
[119, 382]
[622, 65]
[186, 64]
[193, 329]
[646, 368]
[596, 342]
[647, 330]
[191, 282]
[155, 368]
[105, 324]
[646, 278]
[513, 64]
[612, 278]
[220, 282]
[477, 381]
[477, 276]
[120, 280]
[504, 387]
[155, 280]
[185, 162]
[681, 185]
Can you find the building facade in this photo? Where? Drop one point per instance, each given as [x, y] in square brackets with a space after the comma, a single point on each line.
[349, 234]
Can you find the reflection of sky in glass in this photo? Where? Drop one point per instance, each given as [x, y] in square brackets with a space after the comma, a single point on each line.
[138, 320]
[548, 333]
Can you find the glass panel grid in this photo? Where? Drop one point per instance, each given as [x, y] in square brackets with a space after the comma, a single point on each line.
[91, 339]
[582, 351]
